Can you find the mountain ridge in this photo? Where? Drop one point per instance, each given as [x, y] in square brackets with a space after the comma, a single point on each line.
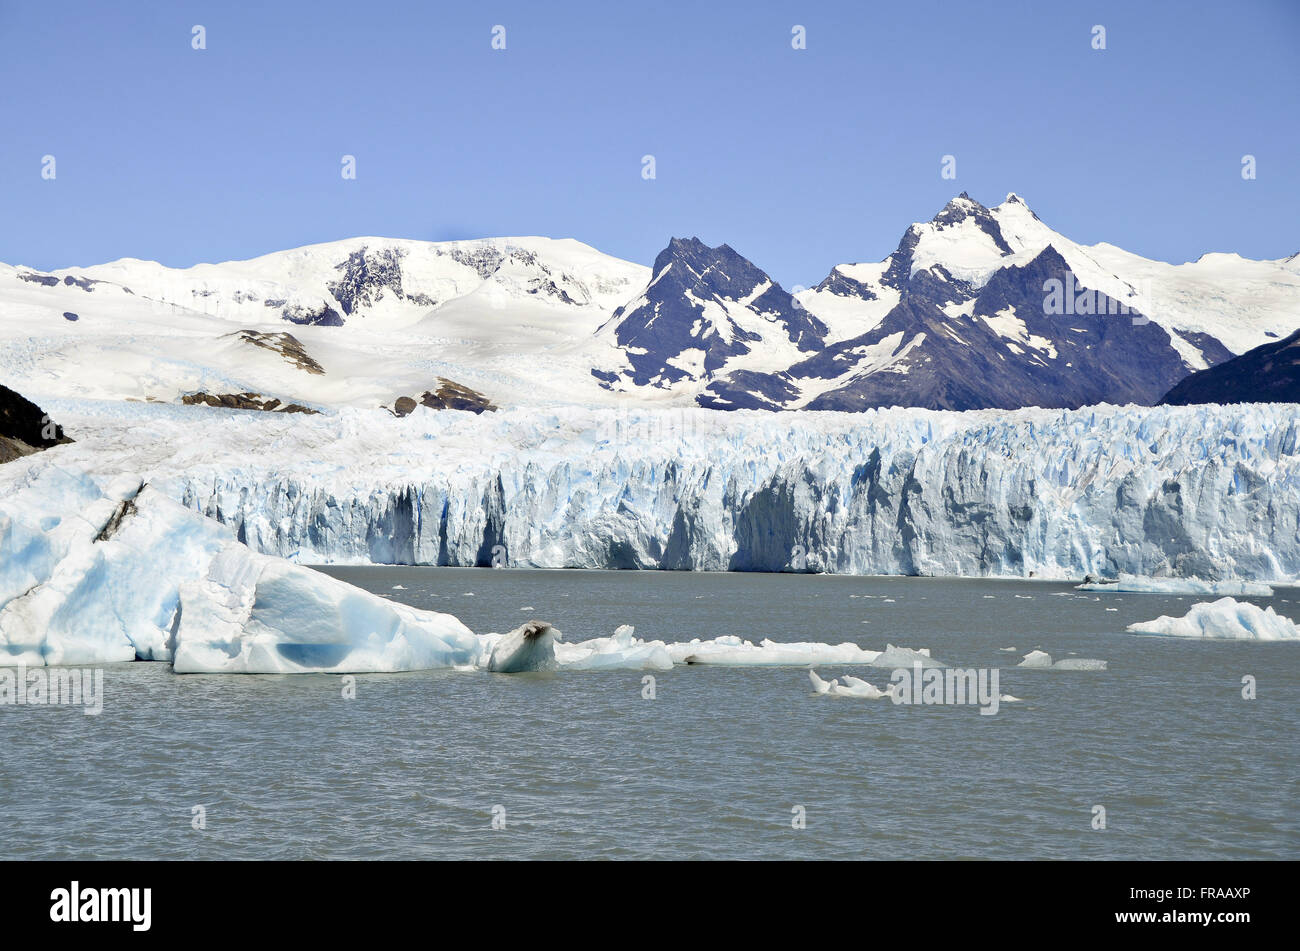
[956, 317]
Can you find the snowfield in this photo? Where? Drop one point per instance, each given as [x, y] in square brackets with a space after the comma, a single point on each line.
[1203, 492]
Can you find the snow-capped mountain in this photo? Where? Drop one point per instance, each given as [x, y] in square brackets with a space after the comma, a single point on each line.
[1268, 374]
[706, 312]
[977, 307]
[370, 320]
[989, 308]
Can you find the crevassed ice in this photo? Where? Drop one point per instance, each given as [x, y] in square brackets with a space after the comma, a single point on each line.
[1189, 492]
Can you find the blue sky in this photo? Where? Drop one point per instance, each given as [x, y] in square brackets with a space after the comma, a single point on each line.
[800, 159]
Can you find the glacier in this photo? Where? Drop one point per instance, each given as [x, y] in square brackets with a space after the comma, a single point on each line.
[1208, 492]
[1227, 619]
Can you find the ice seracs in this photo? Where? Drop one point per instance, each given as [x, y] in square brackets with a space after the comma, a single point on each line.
[1163, 491]
[1225, 619]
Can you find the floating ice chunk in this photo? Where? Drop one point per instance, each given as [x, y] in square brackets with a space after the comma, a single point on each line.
[621, 651]
[896, 657]
[819, 686]
[1135, 584]
[1007, 698]
[731, 651]
[851, 687]
[530, 646]
[1079, 663]
[109, 591]
[1043, 661]
[399, 587]
[101, 575]
[1036, 659]
[254, 614]
[1224, 619]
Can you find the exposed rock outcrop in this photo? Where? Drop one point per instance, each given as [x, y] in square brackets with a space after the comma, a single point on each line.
[24, 427]
[245, 401]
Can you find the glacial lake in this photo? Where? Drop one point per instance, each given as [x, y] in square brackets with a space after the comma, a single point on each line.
[721, 763]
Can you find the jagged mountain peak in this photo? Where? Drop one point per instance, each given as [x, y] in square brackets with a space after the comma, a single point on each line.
[706, 311]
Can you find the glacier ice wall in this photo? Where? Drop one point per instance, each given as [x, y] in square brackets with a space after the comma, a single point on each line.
[1201, 491]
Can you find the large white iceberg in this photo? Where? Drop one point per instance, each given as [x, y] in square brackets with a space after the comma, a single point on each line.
[1224, 619]
[92, 575]
[1135, 584]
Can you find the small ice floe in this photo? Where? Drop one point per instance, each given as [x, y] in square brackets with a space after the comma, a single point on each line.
[399, 587]
[621, 651]
[1225, 619]
[1041, 660]
[896, 657]
[889, 601]
[1136, 584]
[467, 594]
[847, 686]
[529, 608]
[988, 597]
[732, 651]
[1007, 698]
[1024, 597]
[1010, 650]
[624, 651]
[1112, 609]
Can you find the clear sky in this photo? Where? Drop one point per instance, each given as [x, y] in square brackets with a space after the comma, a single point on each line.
[800, 159]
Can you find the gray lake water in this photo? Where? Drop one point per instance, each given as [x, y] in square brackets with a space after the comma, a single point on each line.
[716, 765]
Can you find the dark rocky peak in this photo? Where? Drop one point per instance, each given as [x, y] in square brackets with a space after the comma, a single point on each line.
[718, 271]
[963, 208]
[365, 275]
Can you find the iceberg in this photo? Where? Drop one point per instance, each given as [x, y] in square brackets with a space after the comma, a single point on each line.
[621, 651]
[1133, 584]
[1042, 660]
[1224, 619]
[92, 575]
[847, 686]
[529, 647]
